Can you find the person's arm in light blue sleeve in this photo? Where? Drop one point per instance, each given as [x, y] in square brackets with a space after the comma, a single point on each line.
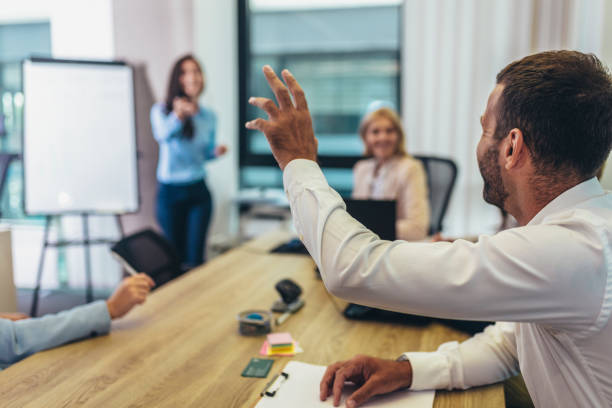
[19, 339]
[164, 125]
[210, 152]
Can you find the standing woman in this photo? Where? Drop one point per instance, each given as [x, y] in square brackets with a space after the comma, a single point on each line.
[185, 132]
[392, 174]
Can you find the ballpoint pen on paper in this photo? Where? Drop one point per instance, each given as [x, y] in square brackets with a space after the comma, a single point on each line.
[274, 384]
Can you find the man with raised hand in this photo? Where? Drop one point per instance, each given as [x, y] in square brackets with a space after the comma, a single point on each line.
[546, 130]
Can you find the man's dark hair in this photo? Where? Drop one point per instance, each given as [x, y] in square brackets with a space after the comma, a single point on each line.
[562, 103]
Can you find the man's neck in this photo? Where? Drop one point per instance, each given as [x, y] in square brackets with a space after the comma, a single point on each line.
[536, 194]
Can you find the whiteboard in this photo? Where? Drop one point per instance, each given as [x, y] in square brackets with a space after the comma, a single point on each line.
[79, 143]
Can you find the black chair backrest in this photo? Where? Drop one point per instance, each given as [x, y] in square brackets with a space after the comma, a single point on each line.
[441, 177]
[147, 251]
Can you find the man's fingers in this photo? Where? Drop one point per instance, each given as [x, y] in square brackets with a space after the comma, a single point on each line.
[296, 90]
[257, 124]
[328, 380]
[266, 105]
[361, 395]
[342, 375]
[278, 88]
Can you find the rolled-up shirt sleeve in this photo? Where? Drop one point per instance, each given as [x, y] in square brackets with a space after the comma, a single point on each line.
[486, 358]
[19, 339]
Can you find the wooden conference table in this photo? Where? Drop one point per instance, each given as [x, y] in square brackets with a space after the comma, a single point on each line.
[182, 348]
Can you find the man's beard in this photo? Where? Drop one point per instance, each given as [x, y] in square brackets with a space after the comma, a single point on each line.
[494, 191]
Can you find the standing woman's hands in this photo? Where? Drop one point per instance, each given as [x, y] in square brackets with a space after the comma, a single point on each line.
[220, 150]
[183, 108]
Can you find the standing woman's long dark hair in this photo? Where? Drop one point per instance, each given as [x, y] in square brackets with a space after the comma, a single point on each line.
[175, 90]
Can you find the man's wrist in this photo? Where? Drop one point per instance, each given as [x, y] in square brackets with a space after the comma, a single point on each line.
[284, 164]
[111, 309]
[404, 371]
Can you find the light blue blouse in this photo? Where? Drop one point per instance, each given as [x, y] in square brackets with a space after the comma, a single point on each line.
[22, 338]
[181, 160]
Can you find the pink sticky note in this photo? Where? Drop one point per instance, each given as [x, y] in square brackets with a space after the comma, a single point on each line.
[279, 338]
[264, 349]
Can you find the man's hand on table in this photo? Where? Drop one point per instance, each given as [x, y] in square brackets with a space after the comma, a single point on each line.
[372, 375]
[289, 127]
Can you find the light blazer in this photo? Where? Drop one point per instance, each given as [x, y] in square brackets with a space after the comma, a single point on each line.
[402, 178]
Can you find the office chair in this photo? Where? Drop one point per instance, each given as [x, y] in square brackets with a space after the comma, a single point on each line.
[441, 177]
[147, 251]
[5, 163]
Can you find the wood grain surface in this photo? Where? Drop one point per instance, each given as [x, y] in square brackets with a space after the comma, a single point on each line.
[182, 347]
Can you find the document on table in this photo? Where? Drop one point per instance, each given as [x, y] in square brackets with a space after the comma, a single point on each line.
[301, 389]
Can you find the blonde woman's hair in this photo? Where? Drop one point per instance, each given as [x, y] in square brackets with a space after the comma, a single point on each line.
[393, 117]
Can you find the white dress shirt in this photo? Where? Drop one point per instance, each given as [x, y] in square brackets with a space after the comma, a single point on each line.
[400, 178]
[552, 279]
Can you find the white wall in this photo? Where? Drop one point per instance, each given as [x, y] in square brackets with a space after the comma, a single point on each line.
[151, 35]
[23, 11]
[154, 32]
[79, 29]
[82, 29]
[216, 45]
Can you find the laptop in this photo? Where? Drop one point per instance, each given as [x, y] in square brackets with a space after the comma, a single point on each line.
[376, 215]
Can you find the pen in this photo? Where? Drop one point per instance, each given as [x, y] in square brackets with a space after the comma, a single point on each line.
[281, 319]
[124, 263]
[291, 308]
[282, 377]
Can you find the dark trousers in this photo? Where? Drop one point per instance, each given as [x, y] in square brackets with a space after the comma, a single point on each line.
[184, 212]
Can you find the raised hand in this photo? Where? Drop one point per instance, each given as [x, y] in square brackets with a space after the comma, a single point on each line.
[289, 127]
[183, 108]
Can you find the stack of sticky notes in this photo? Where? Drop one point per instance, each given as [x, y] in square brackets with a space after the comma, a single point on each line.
[280, 343]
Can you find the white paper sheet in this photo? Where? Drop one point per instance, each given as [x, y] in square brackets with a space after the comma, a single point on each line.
[301, 389]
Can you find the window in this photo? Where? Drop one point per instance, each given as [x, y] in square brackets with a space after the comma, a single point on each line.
[345, 55]
[17, 41]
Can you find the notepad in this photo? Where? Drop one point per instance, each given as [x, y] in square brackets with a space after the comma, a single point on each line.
[301, 390]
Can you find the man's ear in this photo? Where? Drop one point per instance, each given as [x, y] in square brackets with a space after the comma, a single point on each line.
[514, 149]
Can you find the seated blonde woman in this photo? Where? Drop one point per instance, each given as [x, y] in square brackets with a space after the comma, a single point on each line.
[392, 174]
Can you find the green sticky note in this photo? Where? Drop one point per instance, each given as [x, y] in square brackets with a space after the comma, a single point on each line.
[258, 367]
